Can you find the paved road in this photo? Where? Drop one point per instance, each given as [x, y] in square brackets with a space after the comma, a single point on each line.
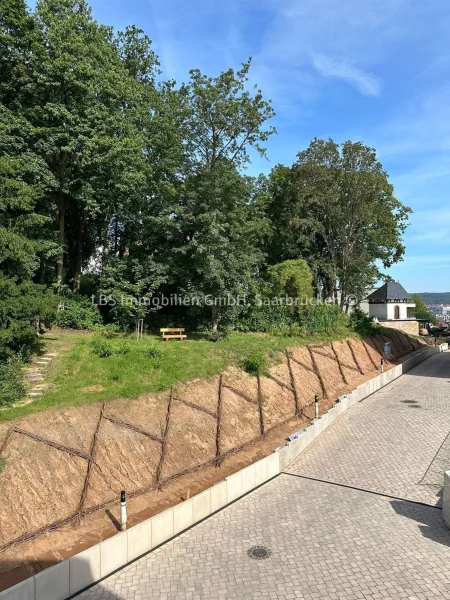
[334, 528]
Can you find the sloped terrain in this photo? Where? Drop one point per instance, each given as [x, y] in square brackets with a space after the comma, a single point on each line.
[65, 465]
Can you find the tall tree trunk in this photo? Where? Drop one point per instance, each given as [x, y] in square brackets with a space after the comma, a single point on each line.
[61, 215]
[79, 257]
[343, 296]
[116, 235]
[105, 241]
[61, 218]
[42, 271]
[214, 317]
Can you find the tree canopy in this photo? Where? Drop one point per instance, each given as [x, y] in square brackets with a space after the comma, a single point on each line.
[336, 208]
[114, 181]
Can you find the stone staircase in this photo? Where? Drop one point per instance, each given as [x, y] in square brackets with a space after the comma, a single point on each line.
[35, 377]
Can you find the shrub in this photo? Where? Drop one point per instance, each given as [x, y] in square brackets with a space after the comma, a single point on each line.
[256, 364]
[155, 354]
[123, 348]
[321, 318]
[22, 306]
[78, 312]
[2, 463]
[101, 347]
[218, 336]
[361, 322]
[282, 320]
[115, 376]
[107, 331]
[12, 386]
[292, 278]
[266, 319]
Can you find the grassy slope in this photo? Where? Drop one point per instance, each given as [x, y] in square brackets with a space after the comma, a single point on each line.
[130, 374]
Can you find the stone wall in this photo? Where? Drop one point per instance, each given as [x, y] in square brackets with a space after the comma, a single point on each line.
[409, 326]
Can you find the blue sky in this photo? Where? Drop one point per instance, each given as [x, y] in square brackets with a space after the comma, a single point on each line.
[370, 70]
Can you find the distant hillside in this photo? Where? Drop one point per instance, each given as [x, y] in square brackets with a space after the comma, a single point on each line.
[435, 297]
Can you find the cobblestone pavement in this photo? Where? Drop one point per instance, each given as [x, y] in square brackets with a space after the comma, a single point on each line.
[327, 541]
[394, 442]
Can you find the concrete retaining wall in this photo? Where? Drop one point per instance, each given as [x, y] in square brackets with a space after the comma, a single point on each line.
[84, 569]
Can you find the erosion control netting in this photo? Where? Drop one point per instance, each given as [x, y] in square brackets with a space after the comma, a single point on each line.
[63, 465]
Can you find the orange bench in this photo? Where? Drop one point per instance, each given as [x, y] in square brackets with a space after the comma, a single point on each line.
[172, 333]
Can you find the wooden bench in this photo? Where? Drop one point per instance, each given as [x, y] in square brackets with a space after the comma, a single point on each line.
[174, 333]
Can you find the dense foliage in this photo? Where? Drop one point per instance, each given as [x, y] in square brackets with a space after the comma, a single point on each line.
[420, 311]
[117, 184]
[11, 381]
[77, 312]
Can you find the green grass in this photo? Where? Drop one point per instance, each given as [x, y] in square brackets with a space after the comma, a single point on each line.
[141, 369]
[2, 463]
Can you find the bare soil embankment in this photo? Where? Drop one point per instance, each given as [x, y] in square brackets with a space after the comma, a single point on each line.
[65, 469]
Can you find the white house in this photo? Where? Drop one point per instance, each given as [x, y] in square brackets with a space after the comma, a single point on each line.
[390, 303]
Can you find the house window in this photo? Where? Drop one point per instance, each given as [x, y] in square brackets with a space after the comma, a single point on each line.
[396, 312]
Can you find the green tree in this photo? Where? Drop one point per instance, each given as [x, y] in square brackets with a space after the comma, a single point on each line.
[338, 211]
[292, 278]
[420, 311]
[86, 97]
[217, 227]
[217, 249]
[23, 304]
[24, 234]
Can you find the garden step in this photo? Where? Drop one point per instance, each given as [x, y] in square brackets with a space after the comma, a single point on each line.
[42, 363]
[35, 394]
[46, 358]
[31, 376]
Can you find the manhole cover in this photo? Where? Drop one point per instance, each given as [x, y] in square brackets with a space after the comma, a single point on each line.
[259, 552]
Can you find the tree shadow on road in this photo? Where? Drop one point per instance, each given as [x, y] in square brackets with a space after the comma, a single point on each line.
[431, 522]
[18, 581]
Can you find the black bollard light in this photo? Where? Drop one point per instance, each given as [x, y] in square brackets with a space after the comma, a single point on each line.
[316, 406]
[123, 510]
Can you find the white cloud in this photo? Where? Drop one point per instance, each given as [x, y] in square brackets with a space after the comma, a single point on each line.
[367, 83]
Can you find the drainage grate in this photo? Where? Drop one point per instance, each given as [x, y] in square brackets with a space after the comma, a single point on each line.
[410, 401]
[259, 552]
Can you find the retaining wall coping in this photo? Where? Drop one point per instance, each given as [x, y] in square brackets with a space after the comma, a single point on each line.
[162, 527]
[84, 569]
[139, 539]
[183, 516]
[113, 553]
[53, 583]
[22, 591]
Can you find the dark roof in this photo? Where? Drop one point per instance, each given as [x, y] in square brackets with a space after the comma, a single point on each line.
[389, 291]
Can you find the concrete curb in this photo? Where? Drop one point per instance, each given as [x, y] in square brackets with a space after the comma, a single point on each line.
[75, 574]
